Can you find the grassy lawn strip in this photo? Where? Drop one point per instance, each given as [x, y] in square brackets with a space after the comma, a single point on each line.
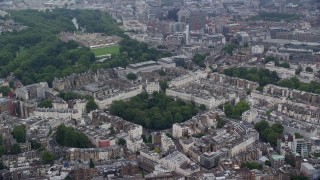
[106, 50]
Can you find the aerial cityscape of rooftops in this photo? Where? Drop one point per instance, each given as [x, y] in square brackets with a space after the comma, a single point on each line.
[160, 89]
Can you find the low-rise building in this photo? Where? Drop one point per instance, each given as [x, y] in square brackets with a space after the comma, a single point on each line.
[58, 113]
[277, 161]
[210, 160]
[152, 87]
[96, 154]
[179, 163]
[104, 101]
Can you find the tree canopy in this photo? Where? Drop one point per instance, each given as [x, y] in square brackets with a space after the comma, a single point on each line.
[277, 62]
[36, 53]
[309, 69]
[294, 83]
[230, 48]
[122, 142]
[235, 112]
[69, 137]
[199, 59]
[91, 164]
[132, 76]
[15, 149]
[220, 122]
[47, 103]
[5, 90]
[91, 105]
[262, 76]
[19, 133]
[47, 157]
[269, 133]
[158, 112]
[251, 165]
[71, 96]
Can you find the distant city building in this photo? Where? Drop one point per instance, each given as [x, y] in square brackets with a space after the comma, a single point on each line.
[301, 146]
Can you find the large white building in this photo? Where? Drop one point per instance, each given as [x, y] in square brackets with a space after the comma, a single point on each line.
[209, 101]
[257, 49]
[59, 104]
[152, 87]
[248, 141]
[58, 113]
[194, 125]
[191, 77]
[134, 145]
[285, 73]
[250, 115]
[32, 91]
[166, 143]
[104, 101]
[135, 131]
[150, 66]
[57, 3]
[167, 63]
[175, 161]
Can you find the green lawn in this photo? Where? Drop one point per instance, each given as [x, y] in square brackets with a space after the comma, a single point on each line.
[106, 50]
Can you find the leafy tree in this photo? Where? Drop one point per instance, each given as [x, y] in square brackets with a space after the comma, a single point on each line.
[262, 125]
[35, 56]
[35, 144]
[71, 96]
[251, 165]
[285, 65]
[47, 103]
[268, 113]
[267, 133]
[91, 164]
[11, 84]
[298, 135]
[162, 47]
[158, 112]
[262, 76]
[132, 76]
[47, 157]
[272, 137]
[144, 138]
[169, 135]
[15, 149]
[230, 48]
[91, 105]
[294, 83]
[112, 131]
[278, 128]
[69, 137]
[236, 111]
[298, 71]
[202, 107]
[19, 133]
[199, 59]
[220, 122]
[163, 85]
[122, 142]
[5, 90]
[2, 166]
[267, 163]
[309, 69]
